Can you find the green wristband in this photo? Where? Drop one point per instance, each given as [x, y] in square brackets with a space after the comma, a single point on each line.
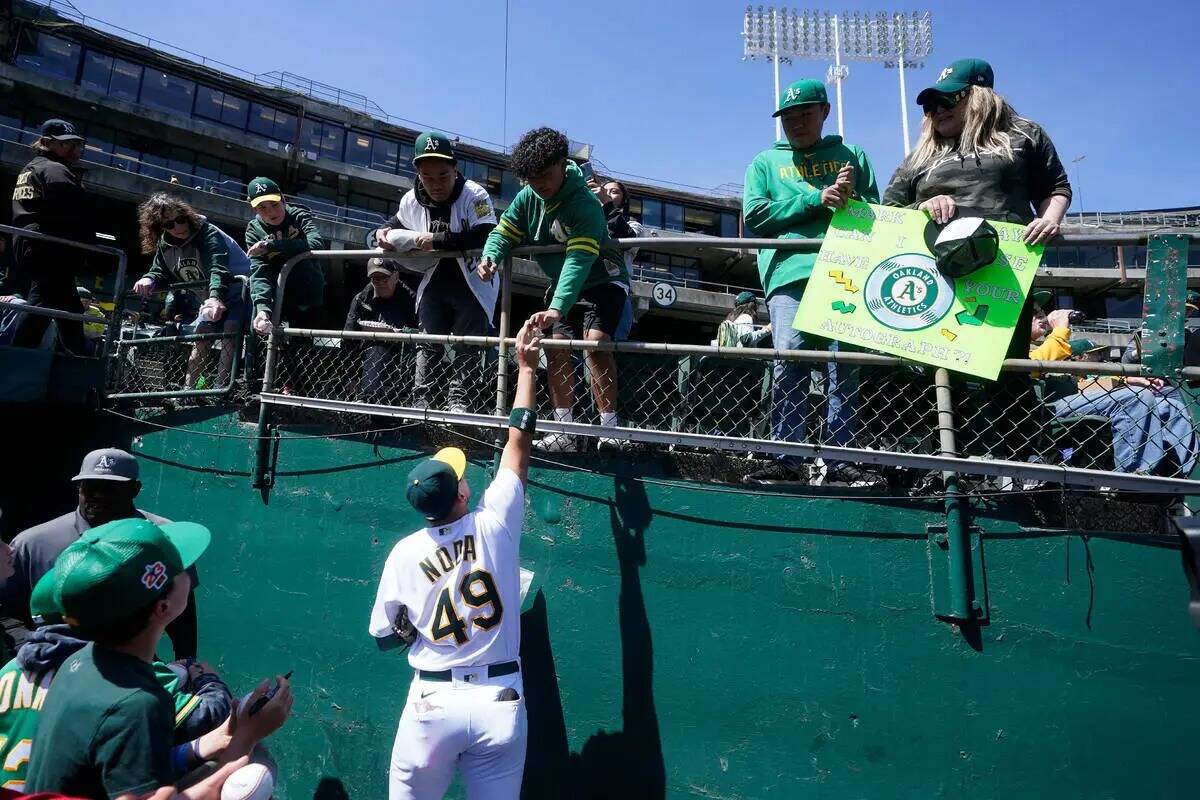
[523, 419]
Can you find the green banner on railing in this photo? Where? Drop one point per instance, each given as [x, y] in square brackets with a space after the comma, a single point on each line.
[876, 284]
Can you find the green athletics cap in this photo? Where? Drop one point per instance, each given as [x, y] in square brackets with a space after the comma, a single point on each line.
[1042, 297]
[958, 76]
[801, 93]
[261, 190]
[433, 484]
[433, 144]
[1081, 346]
[114, 570]
[744, 297]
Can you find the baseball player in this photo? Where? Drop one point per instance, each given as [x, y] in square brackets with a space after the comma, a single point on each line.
[453, 590]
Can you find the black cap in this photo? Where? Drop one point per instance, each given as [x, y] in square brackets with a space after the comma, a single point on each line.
[60, 131]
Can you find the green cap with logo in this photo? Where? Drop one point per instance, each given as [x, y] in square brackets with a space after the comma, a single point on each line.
[433, 484]
[114, 570]
[261, 190]
[433, 144]
[801, 93]
[743, 298]
[958, 76]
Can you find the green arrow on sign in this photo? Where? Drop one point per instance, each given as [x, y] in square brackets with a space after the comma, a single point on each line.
[844, 307]
[975, 317]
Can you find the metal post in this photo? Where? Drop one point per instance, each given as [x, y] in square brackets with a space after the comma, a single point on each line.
[502, 365]
[957, 535]
[775, 62]
[903, 103]
[837, 71]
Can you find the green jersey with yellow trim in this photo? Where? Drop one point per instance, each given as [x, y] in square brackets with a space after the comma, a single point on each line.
[573, 217]
[21, 699]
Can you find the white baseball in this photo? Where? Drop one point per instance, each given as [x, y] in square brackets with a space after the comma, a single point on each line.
[251, 782]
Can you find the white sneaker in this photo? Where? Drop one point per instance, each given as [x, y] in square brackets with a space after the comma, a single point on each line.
[557, 443]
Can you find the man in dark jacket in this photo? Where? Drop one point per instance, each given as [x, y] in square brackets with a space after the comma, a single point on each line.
[386, 303]
[49, 198]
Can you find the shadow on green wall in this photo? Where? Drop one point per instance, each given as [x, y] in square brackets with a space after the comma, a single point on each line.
[625, 763]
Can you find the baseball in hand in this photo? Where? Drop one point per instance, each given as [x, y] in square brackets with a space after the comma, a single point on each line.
[251, 782]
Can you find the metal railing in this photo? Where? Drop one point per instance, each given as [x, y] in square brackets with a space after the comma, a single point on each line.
[111, 323]
[150, 362]
[1066, 423]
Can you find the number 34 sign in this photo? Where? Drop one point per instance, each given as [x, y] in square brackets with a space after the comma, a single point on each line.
[664, 295]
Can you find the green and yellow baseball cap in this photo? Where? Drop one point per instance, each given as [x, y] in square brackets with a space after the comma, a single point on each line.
[261, 190]
[114, 570]
[433, 484]
[433, 144]
[801, 93]
[958, 76]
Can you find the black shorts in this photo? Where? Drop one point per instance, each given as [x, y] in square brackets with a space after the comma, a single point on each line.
[598, 308]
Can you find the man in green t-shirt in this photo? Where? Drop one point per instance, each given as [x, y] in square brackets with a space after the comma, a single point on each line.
[106, 729]
[790, 193]
[589, 282]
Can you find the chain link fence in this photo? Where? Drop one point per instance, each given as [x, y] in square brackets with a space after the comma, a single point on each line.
[852, 407]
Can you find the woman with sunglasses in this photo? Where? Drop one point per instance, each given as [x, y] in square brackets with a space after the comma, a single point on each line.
[976, 157]
[188, 248]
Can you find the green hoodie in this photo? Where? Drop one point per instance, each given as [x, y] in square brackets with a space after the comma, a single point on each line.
[204, 255]
[573, 217]
[782, 200]
[297, 233]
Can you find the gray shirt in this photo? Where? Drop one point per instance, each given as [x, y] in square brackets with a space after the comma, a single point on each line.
[36, 549]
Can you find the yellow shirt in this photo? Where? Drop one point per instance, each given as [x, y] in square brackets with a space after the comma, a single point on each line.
[1054, 347]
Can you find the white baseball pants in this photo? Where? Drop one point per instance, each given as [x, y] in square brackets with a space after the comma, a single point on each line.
[460, 723]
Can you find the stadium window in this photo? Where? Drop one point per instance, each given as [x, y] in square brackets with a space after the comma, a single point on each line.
[99, 144]
[729, 225]
[406, 155]
[674, 216]
[168, 92]
[208, 167]
[385, 154]
[180, 161]
[272, 123]
[215, 105]
[699, 220]
[332, 141]
[358, 149]
[509, 185]
[321, 139]
[11, 132]
[51, 55]
[97, 71]
[126, 80]
[155, 166]
[652, 213]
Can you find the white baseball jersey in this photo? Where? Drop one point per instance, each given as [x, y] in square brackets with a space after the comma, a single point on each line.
[460, 584]
[473, 207]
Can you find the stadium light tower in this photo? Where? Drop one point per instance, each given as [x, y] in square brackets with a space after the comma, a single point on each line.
[893, 38]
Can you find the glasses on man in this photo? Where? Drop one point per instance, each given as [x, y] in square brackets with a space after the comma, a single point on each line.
[182, 219]
[944, 102]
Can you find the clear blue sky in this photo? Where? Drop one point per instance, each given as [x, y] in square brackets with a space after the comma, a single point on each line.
[660, 88]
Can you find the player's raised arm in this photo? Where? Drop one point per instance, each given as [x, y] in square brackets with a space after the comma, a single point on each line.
[523, 418]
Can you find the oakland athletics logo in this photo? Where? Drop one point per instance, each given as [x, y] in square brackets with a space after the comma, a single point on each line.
[907, 293]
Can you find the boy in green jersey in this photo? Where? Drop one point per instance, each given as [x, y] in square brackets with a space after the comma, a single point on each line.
[589, 283]
[106, 730]
[790, 193]
[279, 231]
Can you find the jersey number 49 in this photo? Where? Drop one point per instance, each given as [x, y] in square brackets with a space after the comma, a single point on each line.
[448, 622]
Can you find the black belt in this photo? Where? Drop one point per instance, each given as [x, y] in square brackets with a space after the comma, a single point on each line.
[493, 671]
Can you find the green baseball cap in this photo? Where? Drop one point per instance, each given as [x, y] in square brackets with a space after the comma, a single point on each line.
[433, 144]
[743, 297]
[114, 570]
[1193, 299]
[958, 76]
[1081, 346]
[801, 93]
[261, 190]
[1042, 297]
[433, 484]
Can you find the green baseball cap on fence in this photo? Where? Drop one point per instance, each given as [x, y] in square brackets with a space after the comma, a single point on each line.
[802, 93]
[433, 484]
[433, 144]
[113, 570]
[261, 190]
[958, 76]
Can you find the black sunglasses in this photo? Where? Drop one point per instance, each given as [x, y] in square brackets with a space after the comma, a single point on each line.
[944, 101]
[182, 219]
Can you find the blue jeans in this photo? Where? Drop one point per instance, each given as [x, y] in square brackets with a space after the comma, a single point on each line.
[792, 379]
[1146, 426]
